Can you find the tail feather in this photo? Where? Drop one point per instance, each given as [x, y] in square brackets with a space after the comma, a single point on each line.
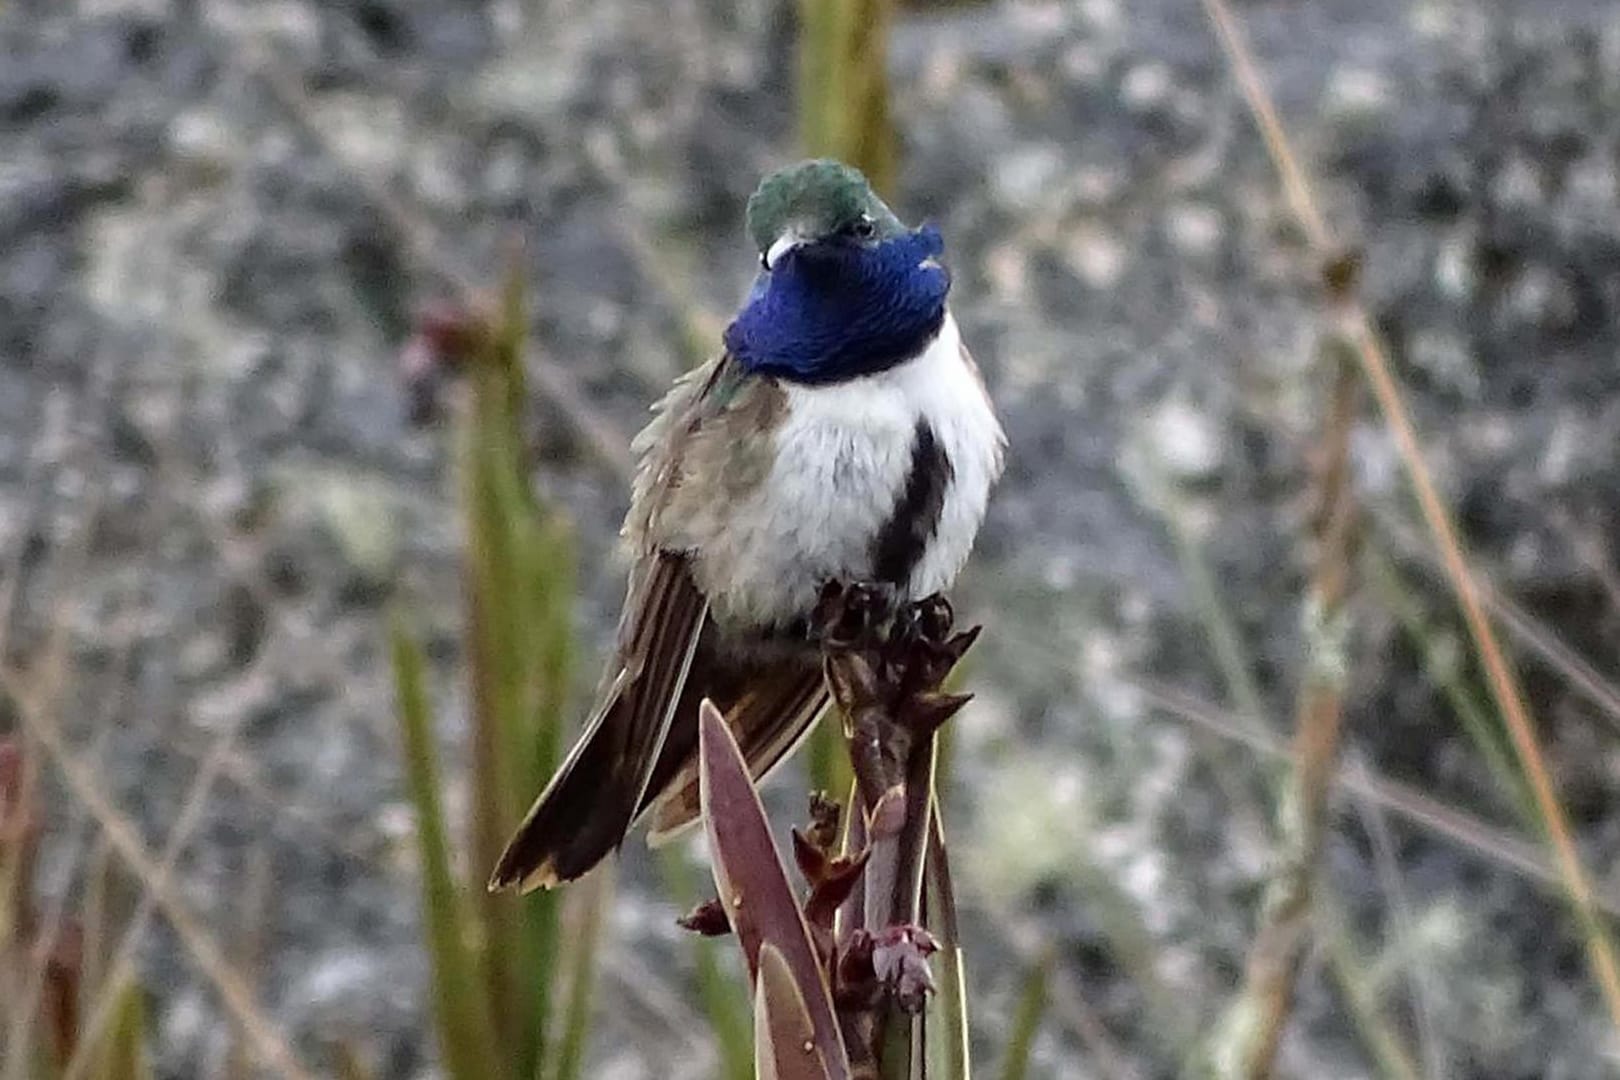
[770, 718]
[585, 811]
[580, 818]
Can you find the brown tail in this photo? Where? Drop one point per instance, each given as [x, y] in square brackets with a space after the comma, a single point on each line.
[582, 815]
[586, 809]
[770, 715]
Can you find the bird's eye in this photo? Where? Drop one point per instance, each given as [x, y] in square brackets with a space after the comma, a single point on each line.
[863, 227]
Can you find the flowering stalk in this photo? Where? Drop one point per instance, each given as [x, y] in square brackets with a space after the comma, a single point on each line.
[848, 963]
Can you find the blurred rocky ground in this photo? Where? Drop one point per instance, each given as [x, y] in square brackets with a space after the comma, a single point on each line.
[217, 219]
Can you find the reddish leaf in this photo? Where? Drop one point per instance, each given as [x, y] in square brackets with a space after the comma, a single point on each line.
[785, 1045]
[837, 883]
[811, 857]
[708, 919]
[753, 883]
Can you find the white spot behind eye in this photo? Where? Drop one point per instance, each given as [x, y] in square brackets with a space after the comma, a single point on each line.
[781, 246]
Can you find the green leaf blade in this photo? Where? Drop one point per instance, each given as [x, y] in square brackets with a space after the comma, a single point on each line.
[466, 1033]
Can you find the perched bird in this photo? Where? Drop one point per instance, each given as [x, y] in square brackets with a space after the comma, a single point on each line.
[844, 434]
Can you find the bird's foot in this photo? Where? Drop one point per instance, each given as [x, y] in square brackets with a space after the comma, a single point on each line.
[854, 615]
[869, 614]
[925, 621]
[885, 663]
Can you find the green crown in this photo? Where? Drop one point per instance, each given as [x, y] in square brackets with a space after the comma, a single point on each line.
[819, 198]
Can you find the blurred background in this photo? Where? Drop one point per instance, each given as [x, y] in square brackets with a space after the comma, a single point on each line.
[221, 220]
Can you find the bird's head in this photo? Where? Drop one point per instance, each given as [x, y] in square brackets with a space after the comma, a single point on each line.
[847, 289]
[817, 203]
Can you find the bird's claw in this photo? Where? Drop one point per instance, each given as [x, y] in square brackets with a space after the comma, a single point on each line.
[927, 621]
[869, 614]
[854, 615]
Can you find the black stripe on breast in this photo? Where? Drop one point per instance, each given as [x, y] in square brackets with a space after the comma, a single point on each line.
[900, 544]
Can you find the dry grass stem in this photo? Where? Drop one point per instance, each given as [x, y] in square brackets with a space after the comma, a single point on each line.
[1376, 368]
[1489, 842]
[1347, 966]
[1375, 822]
[25, 1005]
[121, 966]
[89, 790]
[1526, 628]
[1280, 943]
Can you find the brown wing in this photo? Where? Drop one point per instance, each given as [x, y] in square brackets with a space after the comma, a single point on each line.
[626, 755]
[770, 703]
[587, 808]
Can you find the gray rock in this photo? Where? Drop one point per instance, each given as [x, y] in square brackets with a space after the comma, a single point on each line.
[201, 299]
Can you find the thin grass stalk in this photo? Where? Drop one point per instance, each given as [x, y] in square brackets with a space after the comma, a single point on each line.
[466, 1029]
[552, 580]
[504, 649]
[95, 916]
[122, 963]
[1220, 629]
[1380, 377]
[88, 790]
[729, 1024]
[485, 450]
[250, 951]
[1348, 969]
[115, 966]
[949, 1048]
[122, 1055]
[350, 1065]
[22, 975]
[1421, 980]
[60, 1014]
[45, 929]
[1026, 1024]
[543, 632]
[1132, 943]
[1231, 658]
[1487, 841]
[1483, 728]
[1539, 638]
[1279, 945]
[844, 87]
[1491, 844]
[1068, 1004]
[19, 828]
[590, 906]
[1590, 551]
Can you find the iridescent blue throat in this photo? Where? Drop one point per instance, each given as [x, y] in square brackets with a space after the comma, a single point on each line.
[836, 309]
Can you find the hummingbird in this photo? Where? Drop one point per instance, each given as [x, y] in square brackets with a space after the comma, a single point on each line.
[843, 434]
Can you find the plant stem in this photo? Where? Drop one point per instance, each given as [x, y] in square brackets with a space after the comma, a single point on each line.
[1376, 368]
[1279, 945]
